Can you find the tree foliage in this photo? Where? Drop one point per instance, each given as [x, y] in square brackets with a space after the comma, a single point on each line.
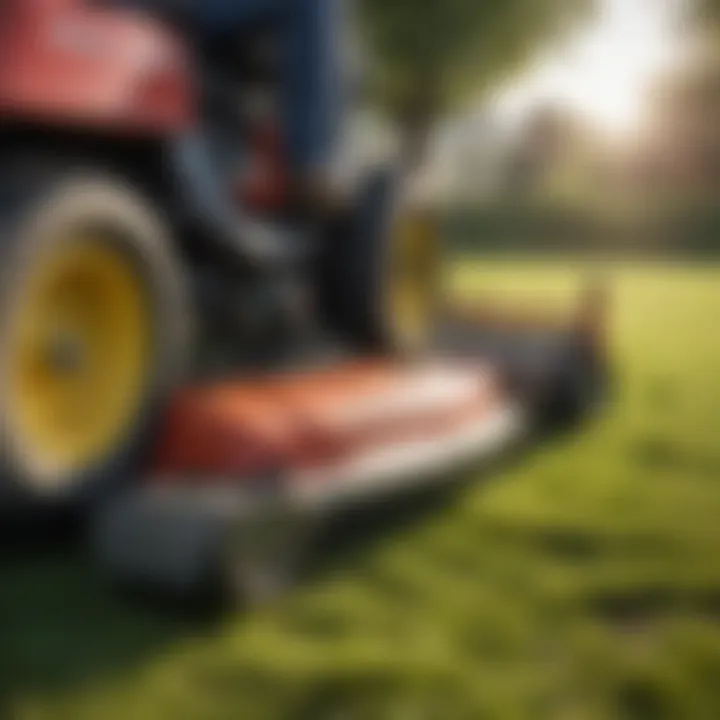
[428, 55]
[707, 10]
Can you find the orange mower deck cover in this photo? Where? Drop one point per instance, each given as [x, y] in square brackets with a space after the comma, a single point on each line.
[302, 426]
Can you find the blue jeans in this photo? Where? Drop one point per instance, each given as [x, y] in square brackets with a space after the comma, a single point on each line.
[311, 40]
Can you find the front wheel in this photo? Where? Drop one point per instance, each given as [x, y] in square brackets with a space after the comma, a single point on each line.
[580, 389]
[383, 269]
[92, 331]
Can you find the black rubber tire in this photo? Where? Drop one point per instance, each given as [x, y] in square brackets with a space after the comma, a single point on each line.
[356, 265]
[579, 390]
[38, 201]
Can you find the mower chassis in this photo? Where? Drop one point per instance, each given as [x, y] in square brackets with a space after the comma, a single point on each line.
[177, 532]
[163, 536]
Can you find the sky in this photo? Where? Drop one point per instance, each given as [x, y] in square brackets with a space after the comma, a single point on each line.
[604, 71]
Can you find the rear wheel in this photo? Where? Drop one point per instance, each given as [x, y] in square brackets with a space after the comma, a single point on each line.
[92, 332]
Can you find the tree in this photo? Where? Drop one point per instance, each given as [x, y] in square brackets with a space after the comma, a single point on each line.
[682, 142]
[707, 10]
[429, 55]
[548, 135]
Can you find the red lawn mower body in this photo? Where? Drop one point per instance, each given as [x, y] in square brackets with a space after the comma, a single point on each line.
[66, 63]
[236, 459]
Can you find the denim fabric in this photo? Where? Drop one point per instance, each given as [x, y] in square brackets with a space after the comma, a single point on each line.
[312, 33]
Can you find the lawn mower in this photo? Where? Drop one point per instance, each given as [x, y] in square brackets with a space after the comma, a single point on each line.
[188, 354]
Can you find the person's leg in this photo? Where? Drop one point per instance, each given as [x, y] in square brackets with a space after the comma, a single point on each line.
[219, 17]
[311, 38]
[313, 97]
[312, 35]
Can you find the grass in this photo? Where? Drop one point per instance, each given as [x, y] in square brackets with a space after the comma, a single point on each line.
[583, 582]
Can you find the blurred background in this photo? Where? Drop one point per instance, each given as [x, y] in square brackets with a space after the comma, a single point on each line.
[559, 138]
[562, 126]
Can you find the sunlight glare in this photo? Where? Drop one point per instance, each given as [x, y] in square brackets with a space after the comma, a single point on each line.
[604, 73]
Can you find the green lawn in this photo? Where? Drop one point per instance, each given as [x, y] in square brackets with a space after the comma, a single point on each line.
[583, 582]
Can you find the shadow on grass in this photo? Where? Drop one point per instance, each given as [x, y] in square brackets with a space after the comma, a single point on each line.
[657, 453]
[353, 533]
[62, 627]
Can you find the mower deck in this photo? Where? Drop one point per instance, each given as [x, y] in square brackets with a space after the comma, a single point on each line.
[257, 463]
[292, 449]
[318, 430]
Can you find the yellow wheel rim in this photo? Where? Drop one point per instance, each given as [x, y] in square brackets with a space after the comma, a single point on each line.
[79, 356]
[413, 280]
